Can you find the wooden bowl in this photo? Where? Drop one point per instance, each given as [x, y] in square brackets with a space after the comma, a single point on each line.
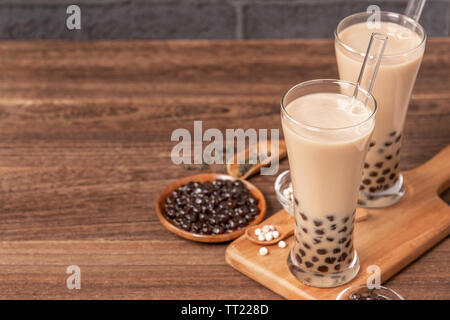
[160, 208]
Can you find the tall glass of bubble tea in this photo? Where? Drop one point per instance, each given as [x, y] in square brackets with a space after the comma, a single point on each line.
[327, 134]
[382, 183]
[327, 126]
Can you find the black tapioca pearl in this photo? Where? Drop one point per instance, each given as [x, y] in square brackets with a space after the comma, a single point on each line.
[333, 227]
[344, 220]
[373, 189]
[342, 230]
[307, 246]
[330, 260]
[330, 218]
[302, 252]
[330, 239]
[322, 251]
[305, 218]
[379, 165]
[317, 240]
[298, 269]
[309, 264]
[373, 174]
[398, 138]
[362, 188]
[342, 257]
[392, 176]
[397, 152]
[320, 232]
[381, 150]
[396, 165]
[317, 222]
[323, 268]
[385, 187]
[298, 258]
[296, 201]
[366, 165]
[381, 180]
[393, 133]
[361, 202]
[305, 230]
[337, 267]
[342, 240]
[314, 259]
[366, 181]
[348, 243]
[387, 143]
[386, 171]
[371, 144]
[388, 157]
[336, 250]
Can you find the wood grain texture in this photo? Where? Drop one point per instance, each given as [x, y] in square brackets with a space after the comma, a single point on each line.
[85, 151]
[390, 238]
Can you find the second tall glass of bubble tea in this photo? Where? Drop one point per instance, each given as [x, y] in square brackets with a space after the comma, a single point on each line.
[382, 183]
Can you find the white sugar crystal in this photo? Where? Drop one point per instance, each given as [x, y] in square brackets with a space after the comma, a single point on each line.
[257, 231]
[275, 234]
[263, 251]
[261, 237]
[265, 229]
[268, 236]
[282, 244]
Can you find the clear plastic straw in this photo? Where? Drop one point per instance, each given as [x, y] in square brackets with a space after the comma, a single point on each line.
[371, 64]
[414, 9]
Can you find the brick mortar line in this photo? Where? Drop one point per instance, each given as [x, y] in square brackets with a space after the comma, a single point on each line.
[239, 23]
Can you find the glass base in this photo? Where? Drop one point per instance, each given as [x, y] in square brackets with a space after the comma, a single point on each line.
[323, 280]
[384, 198]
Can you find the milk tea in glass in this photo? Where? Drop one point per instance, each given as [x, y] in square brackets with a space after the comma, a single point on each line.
[382, 183]
[327, 134]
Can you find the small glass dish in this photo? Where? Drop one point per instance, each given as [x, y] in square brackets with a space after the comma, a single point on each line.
[380, 293]
[282, 183]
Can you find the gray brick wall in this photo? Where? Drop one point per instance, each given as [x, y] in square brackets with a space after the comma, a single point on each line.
[197, 19]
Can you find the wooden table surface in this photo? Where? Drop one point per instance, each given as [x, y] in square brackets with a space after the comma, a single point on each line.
[85, 150]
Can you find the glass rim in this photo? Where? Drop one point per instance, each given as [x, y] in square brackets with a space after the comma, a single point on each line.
[387, 14]
[324, 81]
[346, 290]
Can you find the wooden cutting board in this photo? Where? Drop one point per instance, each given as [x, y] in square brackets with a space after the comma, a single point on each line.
[390, 238]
